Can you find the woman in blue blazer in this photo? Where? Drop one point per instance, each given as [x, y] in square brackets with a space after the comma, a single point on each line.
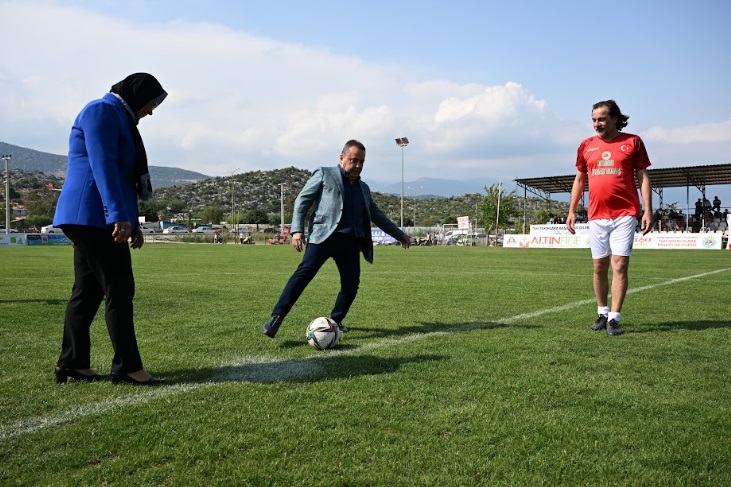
[97, 210]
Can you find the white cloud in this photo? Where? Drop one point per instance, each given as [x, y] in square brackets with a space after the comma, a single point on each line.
[241, 100]
[692, 134]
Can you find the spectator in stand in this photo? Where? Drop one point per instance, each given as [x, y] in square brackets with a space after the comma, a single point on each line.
[610, 161]
[716, 203]
[707, 217]
[706, 204]
[698, 208]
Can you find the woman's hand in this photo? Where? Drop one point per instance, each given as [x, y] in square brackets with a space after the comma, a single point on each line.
[138, 239]
[122, 231]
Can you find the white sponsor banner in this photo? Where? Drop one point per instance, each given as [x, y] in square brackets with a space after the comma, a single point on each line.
[380, 237]
[463, 222]
[12, 239]
[699, 241]
[558, 229]
[567, 241]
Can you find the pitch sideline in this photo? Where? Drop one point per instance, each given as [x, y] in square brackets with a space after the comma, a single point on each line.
[285, 369]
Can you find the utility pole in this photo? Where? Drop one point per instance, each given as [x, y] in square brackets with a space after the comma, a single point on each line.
[8, 210]
[281, 217]
[233, 204]
[402, 142]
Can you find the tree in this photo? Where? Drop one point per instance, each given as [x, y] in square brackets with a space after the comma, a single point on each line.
[40, 205]
[257, 216]
[489, 208]
[542, 216]
[148, 209]
[449, 220]
[212, 214]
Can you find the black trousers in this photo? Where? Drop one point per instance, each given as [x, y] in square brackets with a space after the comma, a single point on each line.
[102, 268]
[345, 251]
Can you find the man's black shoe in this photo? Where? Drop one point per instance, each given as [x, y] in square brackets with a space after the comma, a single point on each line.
[613, 328]
[271, 327]
[600, 323]
[343, 329]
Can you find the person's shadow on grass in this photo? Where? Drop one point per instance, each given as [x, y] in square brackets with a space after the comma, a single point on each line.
[679, 325]
[327, 366]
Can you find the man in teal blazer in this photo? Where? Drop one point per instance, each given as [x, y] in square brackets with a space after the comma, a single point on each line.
[339, 227]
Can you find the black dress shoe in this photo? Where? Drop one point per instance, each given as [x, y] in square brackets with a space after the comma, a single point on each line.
[126, 379]
[63, 374]
[271, 327]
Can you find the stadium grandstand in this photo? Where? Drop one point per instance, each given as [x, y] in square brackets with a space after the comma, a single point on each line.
[675, 177]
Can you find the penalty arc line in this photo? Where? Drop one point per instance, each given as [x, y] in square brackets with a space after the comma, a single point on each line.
[30, 425]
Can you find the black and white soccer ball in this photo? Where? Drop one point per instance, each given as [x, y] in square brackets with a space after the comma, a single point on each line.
[323, 333]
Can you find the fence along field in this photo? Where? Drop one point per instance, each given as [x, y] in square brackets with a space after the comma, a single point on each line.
[464, 366]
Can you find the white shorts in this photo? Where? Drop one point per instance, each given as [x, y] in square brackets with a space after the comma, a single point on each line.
[612, 236]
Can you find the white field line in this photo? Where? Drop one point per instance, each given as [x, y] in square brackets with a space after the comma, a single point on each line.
[267, 369]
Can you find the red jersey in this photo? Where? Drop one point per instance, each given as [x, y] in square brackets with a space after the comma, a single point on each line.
[610, 168]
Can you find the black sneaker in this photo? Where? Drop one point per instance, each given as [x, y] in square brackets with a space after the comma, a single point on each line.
[613, 328]
[600, 323]
[271, 327]
[343, 329]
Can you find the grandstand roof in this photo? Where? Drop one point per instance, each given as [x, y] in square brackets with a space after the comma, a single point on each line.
[674, 177]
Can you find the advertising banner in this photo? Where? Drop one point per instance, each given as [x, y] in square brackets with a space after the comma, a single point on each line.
[12, 239]
[463, 222]
[558, 229]
[547, 241]
[697, 241]
[47, 239]
[701, 241]
[380, 237]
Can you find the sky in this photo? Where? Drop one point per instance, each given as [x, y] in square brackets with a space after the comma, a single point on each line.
[484, 90]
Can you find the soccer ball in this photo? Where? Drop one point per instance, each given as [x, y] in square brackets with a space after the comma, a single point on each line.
[322, 333]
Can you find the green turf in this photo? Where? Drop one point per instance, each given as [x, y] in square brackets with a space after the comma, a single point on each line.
[464, 366]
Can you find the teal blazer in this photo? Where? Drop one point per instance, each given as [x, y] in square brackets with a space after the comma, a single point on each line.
[323, 194]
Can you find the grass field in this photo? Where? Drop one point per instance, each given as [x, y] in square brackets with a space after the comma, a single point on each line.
[464, 366]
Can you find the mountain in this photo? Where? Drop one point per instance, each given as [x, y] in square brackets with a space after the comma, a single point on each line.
[187, 195]
[53, 164]
[431, 187]
[163, 177]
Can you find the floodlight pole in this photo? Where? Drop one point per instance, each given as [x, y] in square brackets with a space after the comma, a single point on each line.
[402, 142]
[6, 158]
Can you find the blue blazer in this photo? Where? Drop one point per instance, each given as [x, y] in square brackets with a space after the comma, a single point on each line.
[100, 180]
[323, 192]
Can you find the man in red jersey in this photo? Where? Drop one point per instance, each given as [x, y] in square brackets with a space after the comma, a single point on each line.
[611, 160]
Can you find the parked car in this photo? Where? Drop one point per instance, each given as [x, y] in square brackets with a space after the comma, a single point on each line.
[203, 229]
[12, 230]
[175, 230]
[147, 230]
[277, 240]
[50, 229]
[471, 239]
